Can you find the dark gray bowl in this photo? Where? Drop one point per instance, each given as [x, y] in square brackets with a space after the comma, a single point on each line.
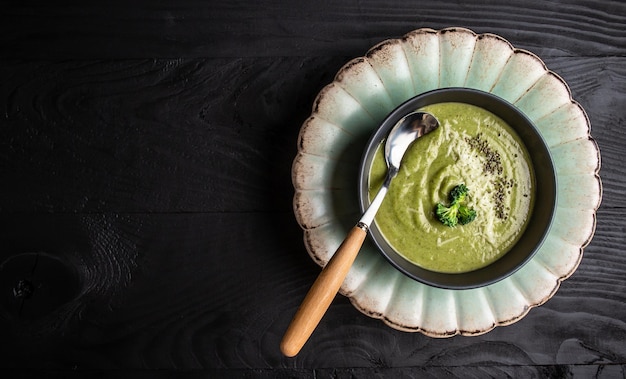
[545, 192]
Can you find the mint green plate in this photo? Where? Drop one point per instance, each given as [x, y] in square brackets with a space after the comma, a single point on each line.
[348, 110]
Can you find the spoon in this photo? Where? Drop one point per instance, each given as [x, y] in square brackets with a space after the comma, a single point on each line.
[323, 291]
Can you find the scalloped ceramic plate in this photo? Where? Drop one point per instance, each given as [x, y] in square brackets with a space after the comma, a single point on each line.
[348, 110]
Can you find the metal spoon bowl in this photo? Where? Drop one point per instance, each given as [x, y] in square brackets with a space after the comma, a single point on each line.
[323, 291]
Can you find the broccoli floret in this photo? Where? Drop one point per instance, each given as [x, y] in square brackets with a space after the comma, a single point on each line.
[447, 215]
[458, 194]
[455, 213]
[466, 215]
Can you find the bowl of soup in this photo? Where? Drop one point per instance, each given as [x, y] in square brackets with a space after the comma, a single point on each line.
[485, 144]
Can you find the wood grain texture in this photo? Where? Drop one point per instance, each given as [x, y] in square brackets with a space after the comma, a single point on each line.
[165, 290]
[170, 294]
[202, 135]
[193, 28]
[486, 371]
[145, 156]
[322, 293]
[154, 135]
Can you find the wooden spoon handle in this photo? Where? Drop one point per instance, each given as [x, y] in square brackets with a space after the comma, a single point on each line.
[322, 293]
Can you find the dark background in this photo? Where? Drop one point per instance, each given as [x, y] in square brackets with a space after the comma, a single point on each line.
[145, 157]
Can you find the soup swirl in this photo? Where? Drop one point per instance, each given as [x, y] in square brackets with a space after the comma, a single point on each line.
[474, 147]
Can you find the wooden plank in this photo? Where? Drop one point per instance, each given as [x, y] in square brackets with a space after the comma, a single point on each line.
[164, 135]
[167, 290]
[217, 290]
[601, 371]
[202, 135]
[194, 28]
[478, 371]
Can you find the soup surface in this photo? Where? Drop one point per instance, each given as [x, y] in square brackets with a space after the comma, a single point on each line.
[471, 146]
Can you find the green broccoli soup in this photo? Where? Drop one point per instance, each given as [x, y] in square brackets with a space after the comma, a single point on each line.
[472, 147]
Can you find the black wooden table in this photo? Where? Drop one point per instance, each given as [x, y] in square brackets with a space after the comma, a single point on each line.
[146, 208]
